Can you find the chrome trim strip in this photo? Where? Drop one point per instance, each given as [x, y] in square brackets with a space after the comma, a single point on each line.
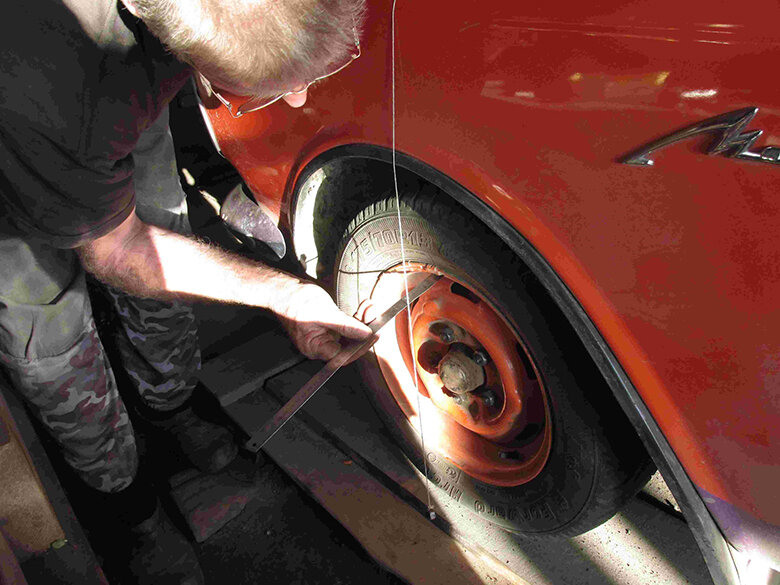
[733, 143]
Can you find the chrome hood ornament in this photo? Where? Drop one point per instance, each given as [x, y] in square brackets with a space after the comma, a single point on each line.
[731, 140]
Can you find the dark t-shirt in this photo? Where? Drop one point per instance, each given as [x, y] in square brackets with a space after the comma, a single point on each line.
[79, 81]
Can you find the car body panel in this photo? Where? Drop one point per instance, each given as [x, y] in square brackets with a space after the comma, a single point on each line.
[531, 109]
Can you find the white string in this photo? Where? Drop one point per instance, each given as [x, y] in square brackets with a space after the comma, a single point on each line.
[431, 512]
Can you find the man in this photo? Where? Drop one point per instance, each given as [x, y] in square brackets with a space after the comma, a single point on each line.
[86, 183]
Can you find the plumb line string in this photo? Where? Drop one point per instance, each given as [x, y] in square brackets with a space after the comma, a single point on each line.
[431, 512]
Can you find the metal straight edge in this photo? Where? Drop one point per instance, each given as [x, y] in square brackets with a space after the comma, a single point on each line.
[269, 429]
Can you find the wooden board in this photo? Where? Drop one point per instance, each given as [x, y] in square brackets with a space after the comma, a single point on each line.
[27, 518]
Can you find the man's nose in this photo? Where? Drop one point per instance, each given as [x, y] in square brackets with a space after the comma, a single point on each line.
[296, 100]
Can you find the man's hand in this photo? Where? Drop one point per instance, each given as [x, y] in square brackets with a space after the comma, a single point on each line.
[315, 323]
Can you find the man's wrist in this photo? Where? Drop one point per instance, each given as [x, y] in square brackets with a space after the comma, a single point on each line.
[280, 291]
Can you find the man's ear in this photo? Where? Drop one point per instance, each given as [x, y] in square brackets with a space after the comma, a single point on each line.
[130, 5]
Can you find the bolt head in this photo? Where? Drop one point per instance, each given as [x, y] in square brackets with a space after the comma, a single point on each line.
[447, 335]
[480, 358]
[489, 398]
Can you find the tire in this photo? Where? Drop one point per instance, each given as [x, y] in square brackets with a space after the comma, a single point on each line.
[535, 443]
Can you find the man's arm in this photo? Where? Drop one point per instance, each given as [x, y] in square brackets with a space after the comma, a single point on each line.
[147, 261]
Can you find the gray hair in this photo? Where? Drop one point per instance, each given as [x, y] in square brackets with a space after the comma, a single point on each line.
[274, 44]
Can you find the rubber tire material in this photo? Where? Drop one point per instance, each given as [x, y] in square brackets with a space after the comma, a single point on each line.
[596, 463]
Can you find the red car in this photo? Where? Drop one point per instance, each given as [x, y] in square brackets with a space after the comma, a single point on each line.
[598, 186]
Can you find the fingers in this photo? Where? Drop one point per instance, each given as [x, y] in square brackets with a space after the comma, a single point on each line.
[316, 324]
[322, 344]
[347, 326]
[314, 305]
[318, 343]
[327, 350]
[367, 311]
[360, 354]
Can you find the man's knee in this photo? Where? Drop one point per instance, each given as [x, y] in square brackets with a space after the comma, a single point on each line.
[159, 347]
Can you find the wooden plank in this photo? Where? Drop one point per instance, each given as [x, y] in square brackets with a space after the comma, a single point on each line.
[243, 369]
[68, 560]
[28, 518]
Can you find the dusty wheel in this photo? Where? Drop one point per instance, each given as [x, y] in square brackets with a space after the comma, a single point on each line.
[516, 428]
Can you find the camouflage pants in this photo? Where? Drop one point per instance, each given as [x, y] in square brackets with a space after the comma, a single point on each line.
[51, 352]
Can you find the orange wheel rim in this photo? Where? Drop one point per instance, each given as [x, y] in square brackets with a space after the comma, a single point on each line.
[481, 399]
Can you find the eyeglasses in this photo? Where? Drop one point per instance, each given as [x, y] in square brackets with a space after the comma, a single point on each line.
[255, 103]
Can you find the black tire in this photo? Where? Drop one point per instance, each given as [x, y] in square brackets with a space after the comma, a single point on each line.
[595, 462]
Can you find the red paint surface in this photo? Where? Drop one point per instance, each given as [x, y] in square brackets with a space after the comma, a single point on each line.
[529, 107]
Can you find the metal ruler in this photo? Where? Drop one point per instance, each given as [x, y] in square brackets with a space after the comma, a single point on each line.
[262, 436]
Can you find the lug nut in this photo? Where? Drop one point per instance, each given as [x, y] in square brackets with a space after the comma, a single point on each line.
[447, 335]
[480, 358]
[489, 398]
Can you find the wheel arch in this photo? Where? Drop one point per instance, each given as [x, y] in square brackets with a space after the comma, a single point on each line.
[318, 190]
